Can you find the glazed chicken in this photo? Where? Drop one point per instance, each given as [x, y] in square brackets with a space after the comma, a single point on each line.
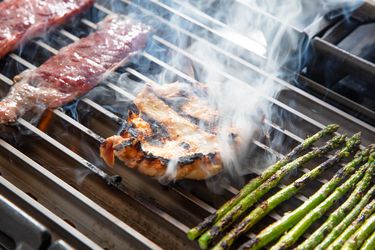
[164, 134]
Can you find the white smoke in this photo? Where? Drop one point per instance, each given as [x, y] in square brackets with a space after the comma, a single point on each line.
[268, 31]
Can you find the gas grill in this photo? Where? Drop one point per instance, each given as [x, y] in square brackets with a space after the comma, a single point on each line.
[52, 171]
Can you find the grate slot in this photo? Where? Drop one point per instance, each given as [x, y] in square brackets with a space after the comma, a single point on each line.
[90, 207]
[257, 143]
[367, 134]
[356, 65]
[114, 117]
[366, 128]
[346, 102]
[305, 95]
[200, 206]
[157, 61]
[109, 179]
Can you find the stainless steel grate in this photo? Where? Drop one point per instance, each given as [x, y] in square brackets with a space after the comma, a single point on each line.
[57, 162]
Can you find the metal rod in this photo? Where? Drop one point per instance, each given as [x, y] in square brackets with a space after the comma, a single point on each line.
[260, 71]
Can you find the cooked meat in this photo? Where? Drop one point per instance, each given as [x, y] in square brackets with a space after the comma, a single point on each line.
[76, 69]
[157, 138]
[21, 20]
[188, 100]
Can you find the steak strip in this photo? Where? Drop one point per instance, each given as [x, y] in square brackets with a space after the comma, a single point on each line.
[20, 20]
[76, 69]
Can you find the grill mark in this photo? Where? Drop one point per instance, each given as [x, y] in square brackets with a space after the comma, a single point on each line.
[177, 105]
[151, 131]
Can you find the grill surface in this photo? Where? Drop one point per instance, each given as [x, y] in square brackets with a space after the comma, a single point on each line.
[84, 202]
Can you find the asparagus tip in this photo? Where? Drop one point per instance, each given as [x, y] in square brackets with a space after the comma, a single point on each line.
[357, 136]
[191, 234]
[354, 141]
[333, 127]
[203, 243]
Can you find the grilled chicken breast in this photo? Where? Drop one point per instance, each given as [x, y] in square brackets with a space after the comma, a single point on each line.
[163, 138]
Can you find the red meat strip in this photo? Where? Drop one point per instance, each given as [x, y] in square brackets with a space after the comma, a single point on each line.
[76, 69]
[21, 20]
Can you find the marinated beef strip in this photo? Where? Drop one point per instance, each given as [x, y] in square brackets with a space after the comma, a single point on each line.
[157, 136]
[76, 69]
[21, 20]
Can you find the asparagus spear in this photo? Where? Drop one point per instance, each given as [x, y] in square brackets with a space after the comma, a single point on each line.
[369, 243]
[357, 239]
[363, 216]
[346, 221]
[256, 182]
[296, 232]
[274, 231]
[249, 200]
[335, 218]
[284, 194]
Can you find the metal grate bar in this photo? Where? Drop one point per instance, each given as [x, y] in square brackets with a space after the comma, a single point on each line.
[128, 95]
[83, 162]
[153, 206]
[348, 103]
[92, 167]
[356, 64]
[76, 235]
[148, 56]
[261, 72]
[286, 107]
[112, 116]
[100, 213]
[109, 179]
[257, 143]
[179, 190]
[277, 102]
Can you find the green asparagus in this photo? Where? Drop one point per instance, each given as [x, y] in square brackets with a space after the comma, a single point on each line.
[256, 182]
[357, 239]
[334, 219]
[276, 229]
[369, 243]
[284, 194]
[249, 200]
[363, 216]
[346, 221]
[296, 232]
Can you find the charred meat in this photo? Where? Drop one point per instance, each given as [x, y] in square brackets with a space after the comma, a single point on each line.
[164, 139]
[21, 20]
[76, 69]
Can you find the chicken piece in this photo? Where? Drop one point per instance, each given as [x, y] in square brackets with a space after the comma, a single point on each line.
[159, 141]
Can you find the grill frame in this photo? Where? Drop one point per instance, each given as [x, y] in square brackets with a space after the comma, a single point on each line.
[171, 232]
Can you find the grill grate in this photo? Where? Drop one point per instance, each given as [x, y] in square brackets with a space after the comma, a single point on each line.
[55, 163]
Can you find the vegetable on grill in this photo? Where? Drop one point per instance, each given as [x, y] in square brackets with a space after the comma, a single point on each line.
[284, 194]
[256, 182]
[296, 232]
[353, 227]
[275, 230]
[248, 201]
[346, 221]
[338, 216]
[357, 239]
[369, 243]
